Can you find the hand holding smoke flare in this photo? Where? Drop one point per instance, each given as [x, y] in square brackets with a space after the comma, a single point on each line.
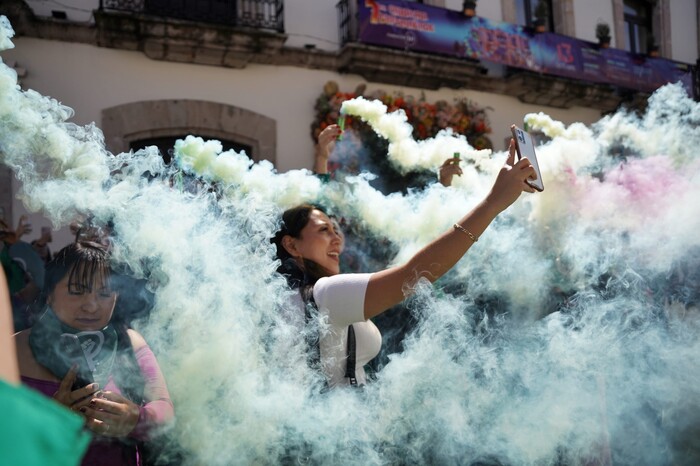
[341, 124]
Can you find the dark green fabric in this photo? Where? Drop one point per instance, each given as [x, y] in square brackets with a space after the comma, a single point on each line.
[37, 431]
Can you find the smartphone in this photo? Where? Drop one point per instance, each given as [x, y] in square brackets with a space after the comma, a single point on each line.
[74, 354]
[525, 147]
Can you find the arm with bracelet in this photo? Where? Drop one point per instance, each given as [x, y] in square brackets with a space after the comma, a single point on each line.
[387, 288]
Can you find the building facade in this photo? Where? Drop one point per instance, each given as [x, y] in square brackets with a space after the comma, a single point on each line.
[248, 72]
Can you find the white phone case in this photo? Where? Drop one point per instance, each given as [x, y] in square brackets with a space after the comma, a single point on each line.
[525, 147]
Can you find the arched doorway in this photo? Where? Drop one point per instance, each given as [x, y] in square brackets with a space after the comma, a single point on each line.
[161, 122]
[166, 143]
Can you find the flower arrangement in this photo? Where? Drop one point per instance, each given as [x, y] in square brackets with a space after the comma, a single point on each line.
[427, 119]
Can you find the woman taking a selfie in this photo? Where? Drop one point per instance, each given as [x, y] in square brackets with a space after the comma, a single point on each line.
[309, 245]
[88, 360]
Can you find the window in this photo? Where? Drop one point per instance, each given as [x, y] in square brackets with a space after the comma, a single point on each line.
[166, 144]
[637, 25]
[525, 11]
[438, 3]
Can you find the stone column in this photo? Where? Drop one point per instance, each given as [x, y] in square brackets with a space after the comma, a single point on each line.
[564, 22]
[661, 27]
[619, 24]
[509, 11]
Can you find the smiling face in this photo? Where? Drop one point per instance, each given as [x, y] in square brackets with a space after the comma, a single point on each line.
[319, 241]
[81, 307]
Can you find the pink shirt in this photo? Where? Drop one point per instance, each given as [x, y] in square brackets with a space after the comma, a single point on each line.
[157, 411]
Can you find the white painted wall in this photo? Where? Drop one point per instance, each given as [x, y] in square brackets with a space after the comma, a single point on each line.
[588, 13]
[490, 9]
[69, 72]
[60, 237]
[684, 31]
[312, 22]
[90, 79]
[79, 11]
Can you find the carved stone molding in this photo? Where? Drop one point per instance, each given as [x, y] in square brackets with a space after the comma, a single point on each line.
[135, 121]
[187, 41]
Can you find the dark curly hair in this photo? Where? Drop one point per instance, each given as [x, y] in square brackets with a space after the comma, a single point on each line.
[293, 221]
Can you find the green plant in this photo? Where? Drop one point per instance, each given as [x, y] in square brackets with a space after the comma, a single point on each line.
[602, 31]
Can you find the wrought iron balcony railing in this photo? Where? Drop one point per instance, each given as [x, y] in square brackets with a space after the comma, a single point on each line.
[259, 14]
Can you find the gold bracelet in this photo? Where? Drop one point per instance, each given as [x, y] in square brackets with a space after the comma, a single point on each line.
[459, 227]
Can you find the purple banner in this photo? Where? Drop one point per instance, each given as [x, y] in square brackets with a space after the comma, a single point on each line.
[421, 28]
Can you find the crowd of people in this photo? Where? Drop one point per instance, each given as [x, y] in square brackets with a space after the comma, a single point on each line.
[75, 343]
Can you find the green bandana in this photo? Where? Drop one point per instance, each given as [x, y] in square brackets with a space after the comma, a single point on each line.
[58, 346]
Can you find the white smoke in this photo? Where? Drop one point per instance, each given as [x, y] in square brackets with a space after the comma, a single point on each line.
[564, 331]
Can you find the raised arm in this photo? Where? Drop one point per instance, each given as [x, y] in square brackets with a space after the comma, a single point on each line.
[326, 142]
[389, 287]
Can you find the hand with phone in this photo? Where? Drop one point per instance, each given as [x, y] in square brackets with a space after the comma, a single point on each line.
[525, 147]
[511, 181]
[72, 351]
[111, 415]
[78, 398]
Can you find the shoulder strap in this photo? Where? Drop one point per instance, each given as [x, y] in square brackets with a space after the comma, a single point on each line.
[314, 341]
[350, 367]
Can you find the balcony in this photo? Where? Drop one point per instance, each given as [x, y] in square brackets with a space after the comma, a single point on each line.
[419, 45]
[230, 33]
[258, 14]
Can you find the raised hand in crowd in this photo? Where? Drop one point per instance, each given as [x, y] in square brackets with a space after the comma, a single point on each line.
[324, 148]
[448, 170]
[10, 236]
